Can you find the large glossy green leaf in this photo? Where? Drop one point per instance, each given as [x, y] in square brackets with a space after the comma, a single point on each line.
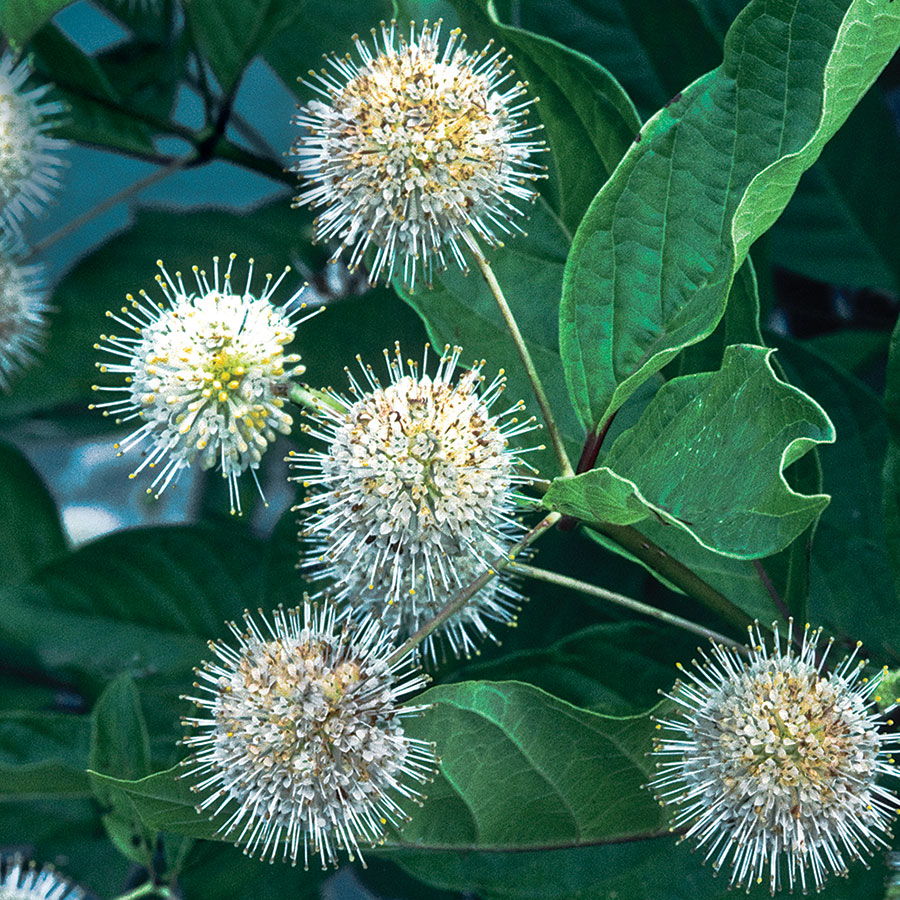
[890, 495]
[708, 456]
[461, 310]
[20, 19]
[505, 779]
[30, 531]
[231, 32]
[654, 258]
[589, 120]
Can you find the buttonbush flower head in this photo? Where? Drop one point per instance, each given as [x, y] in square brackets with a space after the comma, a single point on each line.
[205, 372]
[29, 166]
[414, 149]
[23, 314]
[413, 497]
[772, 763]
[302, 742]
[21, 881]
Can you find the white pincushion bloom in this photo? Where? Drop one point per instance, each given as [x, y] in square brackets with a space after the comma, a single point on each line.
[772, 764]
[29, 166]
[23, 315]
[414, 497]
[21, 881]
[205, 374]
[302, 742]
[414, 150]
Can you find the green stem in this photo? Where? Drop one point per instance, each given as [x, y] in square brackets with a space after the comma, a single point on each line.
[524, 355]
[463, 597]
[225, 149]
[313, 400]
[645, 609]
[657, 559]
[119, 197]
[144, 890]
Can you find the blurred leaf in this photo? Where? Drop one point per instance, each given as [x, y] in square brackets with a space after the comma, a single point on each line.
[30, 530]
[42, 756]
[850, 557]
[589, 121]
[20, 19]
[96, 114]
[850, 350]
[216, 871]
[839, 227]
[644, 656]
[461, 310]
[654, 258]
[231, 32]
[653, 47]
[298, 48]
[708, 456]
[163, 593]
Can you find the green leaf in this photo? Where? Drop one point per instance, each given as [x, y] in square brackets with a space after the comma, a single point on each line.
[96, 114]
[850, 556]
[298, 48]
[120, 744]
[30, 531]
[461, 310]
[708, 456]
[839, 226]
[589, 121]
[42, 756]
[163, 594]
[659, 869]
[21, 19]
[231, 32]
[654, 258]
[641, 658]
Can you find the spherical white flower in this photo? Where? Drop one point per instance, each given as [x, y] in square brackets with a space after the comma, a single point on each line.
[414, 497]
[772, 764]
[414, 150]
[23, 314]
[302, 743]
[29, 166]
[21, 881]
[205, 373]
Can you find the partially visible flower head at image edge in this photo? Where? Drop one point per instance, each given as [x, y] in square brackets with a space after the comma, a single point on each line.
[416, 151]
[23, 313]
[415, 495]
[772, 765]
[206, 376]
[29, 165]
[300, 746]
[20, 880]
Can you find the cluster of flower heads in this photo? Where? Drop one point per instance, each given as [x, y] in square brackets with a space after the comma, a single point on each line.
[23, 881]
[301, 744]
[206, 374]
[772, 763]
[413, 497]
[29, 173]
[415, 151]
